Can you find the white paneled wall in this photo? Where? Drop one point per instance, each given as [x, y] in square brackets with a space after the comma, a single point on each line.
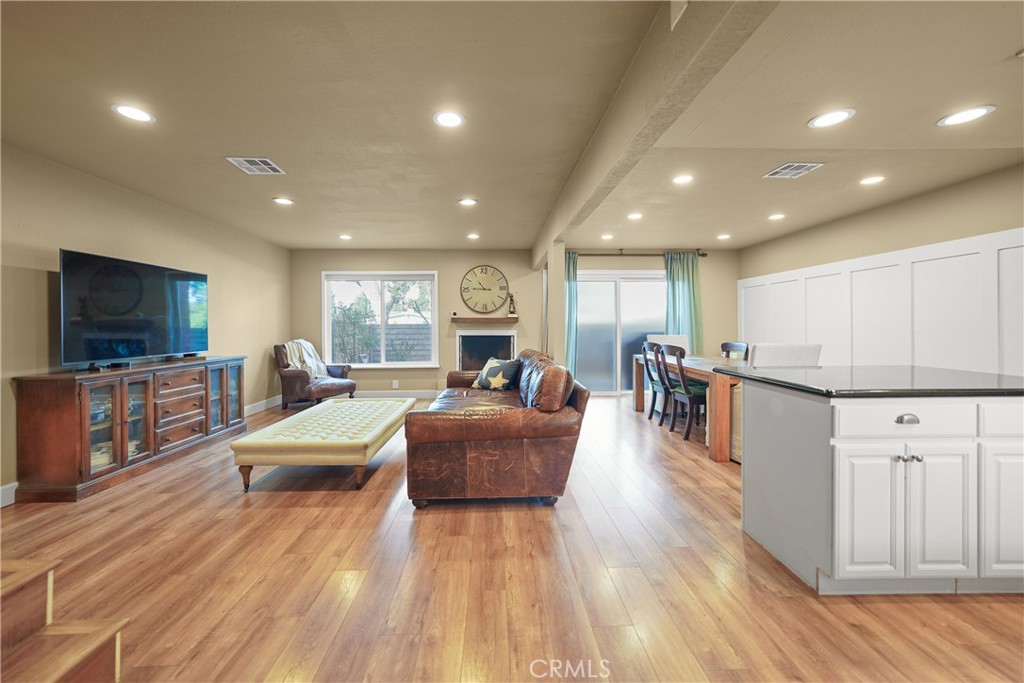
[1011, 303]
[957, 304]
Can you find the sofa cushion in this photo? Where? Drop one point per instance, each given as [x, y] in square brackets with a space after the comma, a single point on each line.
[460, 399]
[498, 375]
[543, 383]
[554, 384]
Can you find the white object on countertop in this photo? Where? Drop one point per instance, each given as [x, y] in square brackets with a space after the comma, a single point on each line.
[785, 355]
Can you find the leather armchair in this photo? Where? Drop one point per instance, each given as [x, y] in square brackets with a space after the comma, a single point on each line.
[296, 384]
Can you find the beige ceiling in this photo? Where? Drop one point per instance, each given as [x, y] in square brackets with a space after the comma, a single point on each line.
[341, 96]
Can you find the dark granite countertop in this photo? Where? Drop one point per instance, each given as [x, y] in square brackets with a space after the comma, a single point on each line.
[882, 381]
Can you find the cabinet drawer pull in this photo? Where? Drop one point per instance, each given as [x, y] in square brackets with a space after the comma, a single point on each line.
[168, 439]
[195, 404]
[917, 458]
[195, 379]
[168, 411]
[901, 458]
[907, 419]
[167, 382]
[195, 429]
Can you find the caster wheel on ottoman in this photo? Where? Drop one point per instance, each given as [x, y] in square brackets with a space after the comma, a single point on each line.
[420, 503]
[549, 500]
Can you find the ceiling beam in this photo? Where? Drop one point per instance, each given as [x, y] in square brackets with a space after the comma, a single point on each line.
[672, 66]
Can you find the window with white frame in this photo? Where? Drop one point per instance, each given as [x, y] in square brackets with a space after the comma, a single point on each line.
[380, 318]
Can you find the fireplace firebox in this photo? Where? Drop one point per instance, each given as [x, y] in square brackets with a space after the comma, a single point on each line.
[475, 347]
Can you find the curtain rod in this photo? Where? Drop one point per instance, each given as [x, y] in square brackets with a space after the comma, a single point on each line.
[622, 252]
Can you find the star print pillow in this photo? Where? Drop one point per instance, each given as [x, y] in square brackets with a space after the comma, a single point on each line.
[499, 375]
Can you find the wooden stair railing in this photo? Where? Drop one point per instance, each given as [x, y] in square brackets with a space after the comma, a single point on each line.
[35, 648]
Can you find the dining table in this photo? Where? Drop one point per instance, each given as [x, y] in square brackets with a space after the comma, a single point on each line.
[719, 403]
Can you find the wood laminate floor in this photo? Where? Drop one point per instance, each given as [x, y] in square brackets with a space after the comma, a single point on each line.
[639, 573]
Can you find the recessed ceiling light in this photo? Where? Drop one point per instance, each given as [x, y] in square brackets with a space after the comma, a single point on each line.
[607, 237]
[473, 236]
[635, 216]
[966, 116]
[776, 216]
[284, 201]
[873, 180]
[682, 179]
[344, 237]
[831, 118]
[468, 202]
[448, 119]
[723, 237]
[133, 113]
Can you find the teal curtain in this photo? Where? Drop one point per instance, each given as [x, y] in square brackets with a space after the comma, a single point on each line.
[571, 306]
[683, 314]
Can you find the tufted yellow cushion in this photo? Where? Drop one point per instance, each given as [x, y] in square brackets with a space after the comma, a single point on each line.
[345, 431]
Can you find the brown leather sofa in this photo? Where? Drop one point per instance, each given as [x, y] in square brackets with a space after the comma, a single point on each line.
[296, 385]
[477, 443]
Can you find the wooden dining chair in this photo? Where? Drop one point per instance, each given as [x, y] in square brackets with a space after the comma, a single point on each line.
[683, 392]
[735, 350]
[654, 376]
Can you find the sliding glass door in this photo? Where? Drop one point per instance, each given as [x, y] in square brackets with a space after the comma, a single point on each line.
[616, 312]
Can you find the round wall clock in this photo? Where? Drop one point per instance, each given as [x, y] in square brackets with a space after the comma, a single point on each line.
[484, 289]
[115, 290]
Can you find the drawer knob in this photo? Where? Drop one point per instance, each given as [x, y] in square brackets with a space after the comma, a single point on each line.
[917, 458]
[195, 429]
[168, 439]
[902, 458]
[167, 382]
[195, 379]
[907, 419]
[168, 411]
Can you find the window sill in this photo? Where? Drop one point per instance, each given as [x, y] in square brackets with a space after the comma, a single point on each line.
[394, 366]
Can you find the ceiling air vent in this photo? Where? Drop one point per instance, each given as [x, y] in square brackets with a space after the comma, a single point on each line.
[793, 169]
[256, 165]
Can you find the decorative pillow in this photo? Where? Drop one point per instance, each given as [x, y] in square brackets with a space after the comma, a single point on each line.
[498, 375]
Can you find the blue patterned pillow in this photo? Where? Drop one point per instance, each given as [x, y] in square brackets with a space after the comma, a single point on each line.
[499, 375]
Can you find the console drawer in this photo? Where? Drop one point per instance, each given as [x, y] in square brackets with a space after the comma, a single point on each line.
[872, 419]
[175, 409]
[169, 438]
[180, 381]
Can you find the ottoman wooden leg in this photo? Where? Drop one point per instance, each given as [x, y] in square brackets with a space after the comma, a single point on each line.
[360, 472]
[420, 503]
[245, 471]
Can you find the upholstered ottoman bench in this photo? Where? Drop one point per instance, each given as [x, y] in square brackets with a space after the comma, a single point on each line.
[346, 431]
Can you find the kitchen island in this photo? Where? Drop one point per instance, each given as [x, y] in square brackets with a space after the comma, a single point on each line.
[886, 479]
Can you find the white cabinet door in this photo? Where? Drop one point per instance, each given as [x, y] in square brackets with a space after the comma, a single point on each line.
[1002, 508]
[870, 496]
[942, 506]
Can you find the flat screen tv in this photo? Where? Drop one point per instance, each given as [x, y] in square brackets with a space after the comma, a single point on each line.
[114, 311]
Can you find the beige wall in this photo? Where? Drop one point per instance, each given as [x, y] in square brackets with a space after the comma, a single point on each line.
[718, 275]
[524, 282]
[982, 205]
[47, 206]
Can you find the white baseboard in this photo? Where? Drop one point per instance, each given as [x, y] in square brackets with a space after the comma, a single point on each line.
[260, 406]
[7, 494]
[397, 393]
[275, 401]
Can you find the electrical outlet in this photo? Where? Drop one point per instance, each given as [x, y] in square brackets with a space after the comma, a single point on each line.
[394, 384]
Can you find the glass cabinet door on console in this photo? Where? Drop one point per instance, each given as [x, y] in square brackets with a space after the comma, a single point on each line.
[235, 394]
[137, 418]
[101, 403]
[216, 419]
